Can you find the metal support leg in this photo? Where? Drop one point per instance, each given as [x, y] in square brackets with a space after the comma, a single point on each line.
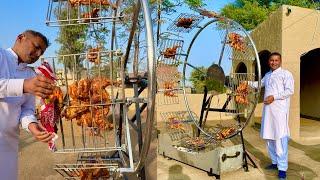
[245, 154]
[203, 108]
[139, 132]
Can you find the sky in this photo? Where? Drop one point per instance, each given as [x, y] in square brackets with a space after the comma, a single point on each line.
[19, 15]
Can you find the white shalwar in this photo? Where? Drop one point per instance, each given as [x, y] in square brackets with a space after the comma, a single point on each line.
[275, 116]
[15, 107]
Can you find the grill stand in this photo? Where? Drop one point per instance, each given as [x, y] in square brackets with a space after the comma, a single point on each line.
[205, 108]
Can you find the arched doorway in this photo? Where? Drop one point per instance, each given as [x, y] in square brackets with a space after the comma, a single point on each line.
[264, 57]
[310, 84]
[241, 68]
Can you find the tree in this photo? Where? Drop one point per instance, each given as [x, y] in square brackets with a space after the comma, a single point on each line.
[194, 3]
[250, 13]
[71, 39]
[175, 3]
[199, 81]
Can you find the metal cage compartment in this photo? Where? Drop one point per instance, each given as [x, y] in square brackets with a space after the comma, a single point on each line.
[170, 51]
[88, 119]
[177, 121]
[82, 12]
[168, 84]
[185, 23]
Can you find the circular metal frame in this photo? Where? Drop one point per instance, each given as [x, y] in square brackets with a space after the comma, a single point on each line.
[185, 64]
[151, 85]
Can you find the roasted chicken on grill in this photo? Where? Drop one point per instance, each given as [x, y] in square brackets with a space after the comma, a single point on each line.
[93, 55]
[195, 142]
[100, 96]
[99, 83]
[175, 123]
[170, 52]
[91, 173]
[74, 3]
[77, 109]
[242, 92]
[169, 89]
[83, 91]
[225, 132]
[84, 88]
[93, 14]
[184, 22]
[89, 104]
[236, 41]
[95, 119]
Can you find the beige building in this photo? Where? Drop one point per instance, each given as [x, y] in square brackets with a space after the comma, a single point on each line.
[295, 33]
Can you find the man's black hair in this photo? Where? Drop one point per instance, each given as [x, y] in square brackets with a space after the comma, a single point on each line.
[38, 34]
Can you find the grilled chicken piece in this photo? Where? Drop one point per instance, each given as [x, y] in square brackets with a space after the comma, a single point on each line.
[242, 92]
[107, 3]
[93, 55]
[93, 14]
[84, 89]
[170, 52]
[184, 22]
[236, 42]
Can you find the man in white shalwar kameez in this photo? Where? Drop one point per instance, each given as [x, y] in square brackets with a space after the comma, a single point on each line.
[279, 86]
[18, 85]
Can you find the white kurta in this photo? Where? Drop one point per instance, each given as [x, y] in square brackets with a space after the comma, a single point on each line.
[275, 116]
[15, 107]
